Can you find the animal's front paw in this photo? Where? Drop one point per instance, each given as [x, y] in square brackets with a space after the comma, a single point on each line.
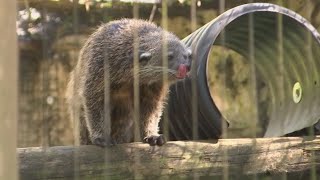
[158, 140]
[103, 142]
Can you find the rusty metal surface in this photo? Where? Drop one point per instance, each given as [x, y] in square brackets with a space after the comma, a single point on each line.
[281, 62]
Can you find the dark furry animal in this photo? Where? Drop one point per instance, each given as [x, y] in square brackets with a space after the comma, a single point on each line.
[101, 86]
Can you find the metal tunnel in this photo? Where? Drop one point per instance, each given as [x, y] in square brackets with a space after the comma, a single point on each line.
[284, 48]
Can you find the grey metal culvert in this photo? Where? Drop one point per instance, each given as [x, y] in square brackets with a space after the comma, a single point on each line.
[298, 61]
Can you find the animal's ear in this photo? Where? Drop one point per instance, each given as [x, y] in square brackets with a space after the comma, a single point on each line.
[144, 56]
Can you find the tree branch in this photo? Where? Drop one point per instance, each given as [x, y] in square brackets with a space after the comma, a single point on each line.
[293, 157]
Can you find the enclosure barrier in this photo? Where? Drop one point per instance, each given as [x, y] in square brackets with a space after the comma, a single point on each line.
[284, 48]
[290, 72]
[8, 90]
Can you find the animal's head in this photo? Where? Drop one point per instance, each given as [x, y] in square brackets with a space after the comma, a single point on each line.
[173, 63]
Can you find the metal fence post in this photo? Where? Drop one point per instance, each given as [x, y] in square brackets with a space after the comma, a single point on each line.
[8, 90]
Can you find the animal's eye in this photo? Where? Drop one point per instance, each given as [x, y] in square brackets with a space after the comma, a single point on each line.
[170, 56]
[144, 57]
[189, 51]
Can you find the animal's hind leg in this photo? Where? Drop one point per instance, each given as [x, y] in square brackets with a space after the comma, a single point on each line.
[83, 130]
[99, 128]
[76, 114]
[81, 134]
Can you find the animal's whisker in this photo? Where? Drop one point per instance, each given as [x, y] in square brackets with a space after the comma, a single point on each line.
[156, 69]
[154, 72]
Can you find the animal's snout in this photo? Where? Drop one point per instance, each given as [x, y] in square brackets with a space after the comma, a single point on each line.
[188, 65]
[182, 71]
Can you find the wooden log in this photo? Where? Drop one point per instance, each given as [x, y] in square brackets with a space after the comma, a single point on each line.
[294, 157]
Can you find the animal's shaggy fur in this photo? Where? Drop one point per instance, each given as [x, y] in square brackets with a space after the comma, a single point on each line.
[102, 83]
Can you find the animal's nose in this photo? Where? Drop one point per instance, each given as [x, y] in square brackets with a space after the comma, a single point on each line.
[188, 65]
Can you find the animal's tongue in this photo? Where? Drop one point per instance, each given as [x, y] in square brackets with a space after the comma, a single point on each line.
[182, 71]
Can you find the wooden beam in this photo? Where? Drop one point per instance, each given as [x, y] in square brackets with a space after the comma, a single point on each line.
[8, 90]
[141, 1]
[293, 157]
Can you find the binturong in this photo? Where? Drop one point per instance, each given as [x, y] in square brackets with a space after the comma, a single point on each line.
[100, 92]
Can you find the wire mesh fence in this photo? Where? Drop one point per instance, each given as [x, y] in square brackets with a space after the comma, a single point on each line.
[212, 89]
